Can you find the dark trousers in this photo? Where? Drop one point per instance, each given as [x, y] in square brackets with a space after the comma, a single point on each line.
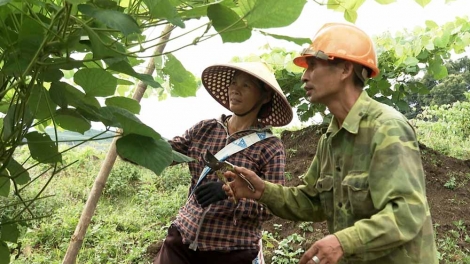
[173, 251]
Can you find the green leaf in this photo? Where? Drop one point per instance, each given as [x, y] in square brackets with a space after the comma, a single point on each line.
[431, 24]
[130, 124]
[96, 82]
[4, 2]
[111, 18]
[440, 72]
[17, 172]
[124, 102]
[270, 13]
[385, 2]
[65, 94]
[10, 233]
[182, 82]
[98, 47]
[152, 154]
[51, 75]
[42, 148]
[70, 119]
[76, 2]
[350, 15]
[180, 158]
[124, 82]
[163, 9]
[442, 40]
[402, 105]
[4, 186]
[298, 41]
[228, 24]
[4, 253]
[40, 103]
[423, 3]
[126, 68]
[411, 61]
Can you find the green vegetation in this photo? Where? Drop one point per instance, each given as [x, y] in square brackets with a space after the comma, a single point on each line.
[137, 207]
[133, 213]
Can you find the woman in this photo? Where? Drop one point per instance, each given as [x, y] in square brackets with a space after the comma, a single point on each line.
[210, 228]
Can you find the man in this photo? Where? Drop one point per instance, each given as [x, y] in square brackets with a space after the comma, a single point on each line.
[367, 179]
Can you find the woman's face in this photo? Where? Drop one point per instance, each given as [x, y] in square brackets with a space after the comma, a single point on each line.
[245, 94]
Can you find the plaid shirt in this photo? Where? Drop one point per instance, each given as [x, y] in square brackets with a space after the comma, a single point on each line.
[227, 226]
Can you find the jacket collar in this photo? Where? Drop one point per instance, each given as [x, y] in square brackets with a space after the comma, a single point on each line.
[359, 110]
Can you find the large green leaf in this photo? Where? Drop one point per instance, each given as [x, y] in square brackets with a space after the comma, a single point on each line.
[229, 25]
[95, 81]
[51, 75]
[385, 2]
[182, 82]
[423, 3]
[350, 15]
[152, 154]
[180, 158]
[4, 186]
[4, 253]
[40, 103]
[4, 2]
[124, 102]
[19, 174]
[97, 46]
[13, 117]
[130, 124]
[42, 148]
[163, 9]
[126, 68]
[111, 18]
[70, 119]
[64, 94]
[298, 41]
[271, 13]
[10, 233]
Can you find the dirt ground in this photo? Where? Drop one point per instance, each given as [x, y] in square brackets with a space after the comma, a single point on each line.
[447, 204]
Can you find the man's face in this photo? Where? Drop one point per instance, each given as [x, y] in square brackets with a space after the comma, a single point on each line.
[322, 80]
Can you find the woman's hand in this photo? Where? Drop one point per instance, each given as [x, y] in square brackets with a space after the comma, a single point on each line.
[240, 187]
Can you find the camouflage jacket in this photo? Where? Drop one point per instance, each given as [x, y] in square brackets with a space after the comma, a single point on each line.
[367, 182]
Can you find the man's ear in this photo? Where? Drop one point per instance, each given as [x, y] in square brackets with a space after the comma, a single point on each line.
[348, 69]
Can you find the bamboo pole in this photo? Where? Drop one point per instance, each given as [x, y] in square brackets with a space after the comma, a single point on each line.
[77, 238]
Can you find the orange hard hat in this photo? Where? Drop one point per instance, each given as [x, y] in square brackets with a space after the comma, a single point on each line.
[345, 41]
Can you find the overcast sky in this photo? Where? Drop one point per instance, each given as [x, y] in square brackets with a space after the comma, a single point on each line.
[174, 115]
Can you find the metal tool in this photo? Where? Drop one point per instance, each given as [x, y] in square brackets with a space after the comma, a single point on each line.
[220, 166]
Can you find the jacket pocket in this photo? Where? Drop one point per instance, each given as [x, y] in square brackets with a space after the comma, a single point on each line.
[325, 189]
[356, 185]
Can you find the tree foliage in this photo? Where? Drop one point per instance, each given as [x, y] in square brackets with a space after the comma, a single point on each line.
[445, 91]
[402, 58]
[61, 59]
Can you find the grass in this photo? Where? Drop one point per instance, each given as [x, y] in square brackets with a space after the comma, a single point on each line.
[133, 212]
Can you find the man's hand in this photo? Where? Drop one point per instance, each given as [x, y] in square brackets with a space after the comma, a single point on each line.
[328, 250]
[240, 187]
[210, 193]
